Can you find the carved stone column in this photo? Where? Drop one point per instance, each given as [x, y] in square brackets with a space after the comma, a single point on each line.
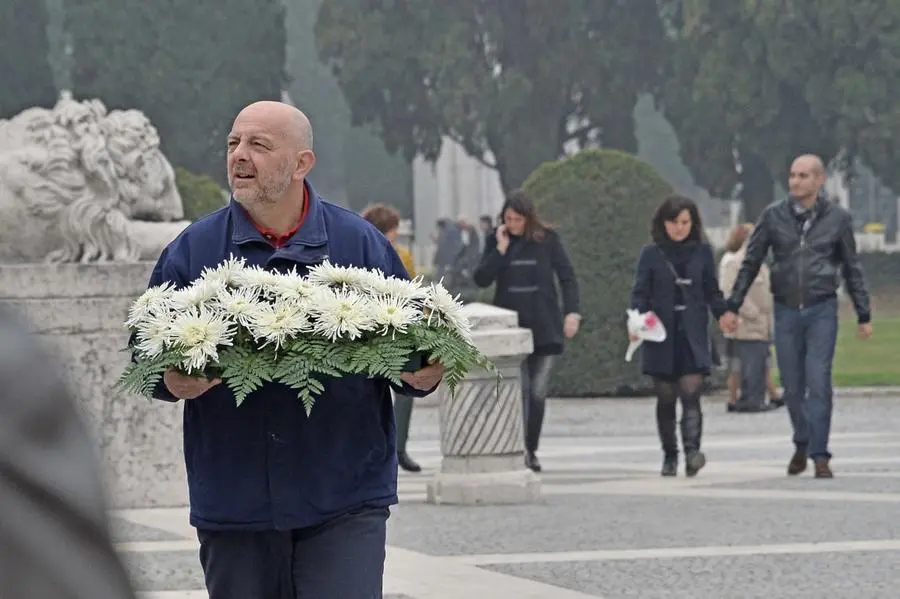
[481, 430]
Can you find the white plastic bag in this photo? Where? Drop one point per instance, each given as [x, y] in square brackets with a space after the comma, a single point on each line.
[646, 327]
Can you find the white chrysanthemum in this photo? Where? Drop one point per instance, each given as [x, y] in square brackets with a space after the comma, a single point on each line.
[447, 309]
[257, 278]
[241, 304]
[394, 313]
[278, 322]
[154, 334]
[227, 273]
[200, 332]
[401, 289]
[154, 300]
[330, 274]
[341, 313]
[293, 287]
[199, 293]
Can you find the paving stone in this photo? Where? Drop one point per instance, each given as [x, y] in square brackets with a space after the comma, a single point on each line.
[856, 575]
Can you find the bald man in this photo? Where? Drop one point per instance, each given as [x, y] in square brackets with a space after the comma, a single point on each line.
[812, 242]
[286, 506]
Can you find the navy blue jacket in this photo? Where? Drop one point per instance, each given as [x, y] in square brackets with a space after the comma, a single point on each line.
[265, 465]
[654, 289]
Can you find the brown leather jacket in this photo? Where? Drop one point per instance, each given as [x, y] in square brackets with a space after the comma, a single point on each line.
[54, 536]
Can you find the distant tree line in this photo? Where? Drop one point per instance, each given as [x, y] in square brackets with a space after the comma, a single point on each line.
[515, 83]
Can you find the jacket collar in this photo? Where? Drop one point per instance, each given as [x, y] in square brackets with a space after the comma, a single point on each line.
[311, 233]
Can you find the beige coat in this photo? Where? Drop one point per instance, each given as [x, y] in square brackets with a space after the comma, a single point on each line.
[756, 317]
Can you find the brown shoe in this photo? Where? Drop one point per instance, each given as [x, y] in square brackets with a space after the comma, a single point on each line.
[797, 464]
[823, 470]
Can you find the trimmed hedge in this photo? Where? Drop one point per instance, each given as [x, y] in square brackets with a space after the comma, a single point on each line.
[601, 202]
[200, 194]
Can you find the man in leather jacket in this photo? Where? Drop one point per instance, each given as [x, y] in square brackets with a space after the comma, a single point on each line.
[54, 533]
[812, 243]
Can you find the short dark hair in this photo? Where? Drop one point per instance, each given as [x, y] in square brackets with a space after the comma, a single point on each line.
[383, 217]
[668, 210]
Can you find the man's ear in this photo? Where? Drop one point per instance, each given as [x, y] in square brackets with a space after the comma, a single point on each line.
[306, 160]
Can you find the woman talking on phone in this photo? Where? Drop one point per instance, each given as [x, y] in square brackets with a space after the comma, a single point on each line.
[524, 258]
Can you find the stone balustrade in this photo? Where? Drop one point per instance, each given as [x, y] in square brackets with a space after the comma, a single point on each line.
[482, 440]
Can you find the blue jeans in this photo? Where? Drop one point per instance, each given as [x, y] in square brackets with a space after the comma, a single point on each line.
[340, 558]
[535, 382]
[804, 346]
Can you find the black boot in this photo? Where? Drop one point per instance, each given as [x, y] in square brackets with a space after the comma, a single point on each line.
[532, 462]
[670, 466]
[407, 463]
[691, 433]
[668, 437]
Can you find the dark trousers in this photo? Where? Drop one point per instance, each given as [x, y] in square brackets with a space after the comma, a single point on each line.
[535, 382]
[340, 559]
[754, 358]
[804, 348]
[403, 406]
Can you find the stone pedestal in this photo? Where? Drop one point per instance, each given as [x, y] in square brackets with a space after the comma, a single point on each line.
[78, 311]
[482, 439]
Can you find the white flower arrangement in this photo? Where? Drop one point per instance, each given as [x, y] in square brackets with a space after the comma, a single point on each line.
[250, 326]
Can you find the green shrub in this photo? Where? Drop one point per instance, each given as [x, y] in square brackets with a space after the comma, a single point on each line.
[200, 194]
[601, 202]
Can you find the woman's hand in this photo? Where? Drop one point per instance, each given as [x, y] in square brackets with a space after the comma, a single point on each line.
[502, 239]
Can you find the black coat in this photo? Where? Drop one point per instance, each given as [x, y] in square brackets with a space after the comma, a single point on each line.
[654, 289]
[525, 278]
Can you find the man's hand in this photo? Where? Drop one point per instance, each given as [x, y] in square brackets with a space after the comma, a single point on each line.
[187, 387]
[502, 239]
[424, 378]
[864, 331]
[570, 325]
[728, 322]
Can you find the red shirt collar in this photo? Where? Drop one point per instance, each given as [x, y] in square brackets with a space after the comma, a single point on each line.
[276, 239]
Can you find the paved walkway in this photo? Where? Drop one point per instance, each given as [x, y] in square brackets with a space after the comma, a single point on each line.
[608, 526]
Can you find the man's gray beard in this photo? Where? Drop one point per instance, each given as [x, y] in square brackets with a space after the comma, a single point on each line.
[265, 196]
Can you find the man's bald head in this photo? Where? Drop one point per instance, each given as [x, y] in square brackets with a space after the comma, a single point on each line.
[288, 120]
[811, 163]
[806, 178]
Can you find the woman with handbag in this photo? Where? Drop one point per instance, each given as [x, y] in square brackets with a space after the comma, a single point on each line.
[676, 278]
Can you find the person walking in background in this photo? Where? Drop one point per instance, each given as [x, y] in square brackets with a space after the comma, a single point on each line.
[55, 540]
[812, 242]
[524, 258]
[387, 220]
[750, 343]
[676, 278]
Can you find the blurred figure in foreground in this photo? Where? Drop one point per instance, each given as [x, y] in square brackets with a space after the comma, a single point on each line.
[387, 220]
[54, 531]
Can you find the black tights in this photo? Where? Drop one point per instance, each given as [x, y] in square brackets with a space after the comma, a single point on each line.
[689, 388]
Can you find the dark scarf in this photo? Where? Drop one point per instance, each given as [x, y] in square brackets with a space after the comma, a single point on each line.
[679, 252]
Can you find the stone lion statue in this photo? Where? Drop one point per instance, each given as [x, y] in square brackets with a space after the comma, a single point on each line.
[80, 184]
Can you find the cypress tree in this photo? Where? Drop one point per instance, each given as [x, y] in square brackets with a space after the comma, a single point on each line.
[26, 78]
[189, 66]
